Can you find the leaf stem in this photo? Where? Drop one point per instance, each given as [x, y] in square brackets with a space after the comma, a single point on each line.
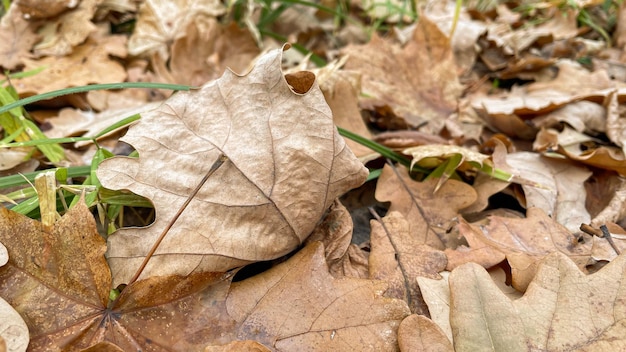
[220, 160]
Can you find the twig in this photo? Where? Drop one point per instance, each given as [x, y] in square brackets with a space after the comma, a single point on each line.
[602, 233]
[222, 158]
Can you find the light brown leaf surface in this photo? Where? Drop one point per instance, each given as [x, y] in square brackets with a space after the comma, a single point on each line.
[89, 63]
[562, 310]
[344, 258]
[429, 213]
[562, 193]
[418, 333]
[16, 39]
[418, 82]
[398, 257]
[204, 51]
[526, 241]
[298, 304]
[286, 165]
[161, 22]
[71, 28]
[13, 329]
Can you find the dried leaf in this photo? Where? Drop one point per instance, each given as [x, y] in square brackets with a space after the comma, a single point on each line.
[88, 63]
[286, 165]
[563, 309]
[160, 23]
[560, 197]
[399, 258]
[429, 213]
[16, 38]
[526, 241]
[418, 333]
[419, 82]
[298, 303]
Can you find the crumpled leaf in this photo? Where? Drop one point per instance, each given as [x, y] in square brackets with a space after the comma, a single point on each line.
[286, 165]
[68, 30]
[298, 303]
[161, 22]
[562, 310]
[16, 38]
[526, 241]
[562, 191]
[88, 63]
[418, 82]
[204, 51]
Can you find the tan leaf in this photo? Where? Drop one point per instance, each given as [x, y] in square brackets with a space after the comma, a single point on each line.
[399, 258]
[526, 241]
[418, 333]
[562, 193]
[204, 51]
[68, 30]
[477, 251]
[419, 82]
[286, 165]
[298, 303]
[503, 111]
[562, 310]
[608, 158]
[436, 294]
[16, 38]
[429, 213]
[88, 63]
[335, 232]
[341, 89]
[160, 23]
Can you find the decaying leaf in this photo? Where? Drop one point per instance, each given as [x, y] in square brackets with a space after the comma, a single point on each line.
[429, 213]
[286, 165]
[89, 62]
[418, 82]
[526, 241]
[59, 282]
[562, 310]
[398, 257]
[299, 304]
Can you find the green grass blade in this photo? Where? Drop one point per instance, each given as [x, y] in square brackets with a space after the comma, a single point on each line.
[17, 180]
[82, 89]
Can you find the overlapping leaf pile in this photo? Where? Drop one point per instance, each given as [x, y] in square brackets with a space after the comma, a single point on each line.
[520, 127]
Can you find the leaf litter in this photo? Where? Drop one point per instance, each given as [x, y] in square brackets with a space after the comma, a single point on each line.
[542, 103]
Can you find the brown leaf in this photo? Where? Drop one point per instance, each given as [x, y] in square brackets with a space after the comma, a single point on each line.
[335, 232]
[298, 303]
[429, 213]
[399, 258]
[562, 192]
[477, 250]
[88, 63]
[562, 310]
[68, 30]
[160, 23]
[204, 52]
[526, 241]
[418, 333]
[419, 82]
[286, 165]
[16, 38]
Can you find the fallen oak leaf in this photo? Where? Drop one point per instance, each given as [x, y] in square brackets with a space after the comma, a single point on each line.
[59, 282]
[298, 303]
[562, 310]
[286, 165]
